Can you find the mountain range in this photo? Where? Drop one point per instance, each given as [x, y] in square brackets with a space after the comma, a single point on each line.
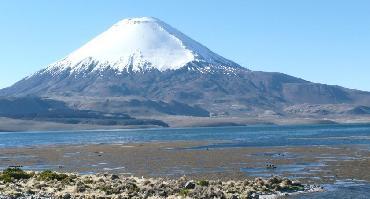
[146, 68]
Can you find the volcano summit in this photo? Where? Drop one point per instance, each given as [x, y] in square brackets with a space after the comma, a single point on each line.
[140, 44]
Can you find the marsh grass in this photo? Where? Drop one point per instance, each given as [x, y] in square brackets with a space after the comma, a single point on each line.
[11, 174]
[48, 175]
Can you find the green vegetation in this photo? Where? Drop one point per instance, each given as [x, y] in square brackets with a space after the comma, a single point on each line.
[89, 181]
[9, 174]
[296, 188]
[109, 190]
[132, 187]
[292, 188]
[106, 189]
[203, 183]
[48, 175]
[184, 192]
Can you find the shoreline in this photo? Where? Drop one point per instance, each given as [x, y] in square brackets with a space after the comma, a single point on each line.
[128, 128]
[16, 125]
[318, 164]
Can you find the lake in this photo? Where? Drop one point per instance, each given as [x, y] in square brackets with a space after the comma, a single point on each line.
[310, 135]
[220, 137]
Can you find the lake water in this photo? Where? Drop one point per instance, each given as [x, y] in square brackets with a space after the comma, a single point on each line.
[252, 136]
[228, 136]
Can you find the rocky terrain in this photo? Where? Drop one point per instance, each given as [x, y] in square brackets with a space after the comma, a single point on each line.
[15, 183]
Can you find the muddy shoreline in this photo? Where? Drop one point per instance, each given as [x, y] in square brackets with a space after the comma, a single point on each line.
[175, 159]
[18, 125]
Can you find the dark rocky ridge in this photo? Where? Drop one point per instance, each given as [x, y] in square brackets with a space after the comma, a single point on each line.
[191, 90]
[39, 109]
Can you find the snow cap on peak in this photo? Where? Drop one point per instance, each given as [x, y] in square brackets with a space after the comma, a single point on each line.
[137, 20]
[141, 43]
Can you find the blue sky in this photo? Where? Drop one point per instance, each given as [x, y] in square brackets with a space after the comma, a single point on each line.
[320, 41]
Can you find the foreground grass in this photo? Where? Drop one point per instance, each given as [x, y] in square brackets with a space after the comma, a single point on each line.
[11, 174]
[15, 182]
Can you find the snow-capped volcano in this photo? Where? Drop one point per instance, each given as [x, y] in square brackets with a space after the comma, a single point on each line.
[139, 44]
[147, 61]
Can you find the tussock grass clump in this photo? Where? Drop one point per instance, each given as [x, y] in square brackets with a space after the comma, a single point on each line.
[106, 189]
[10, 174]
[203, 183]
[184, 192]
[48, 175]
[292, 188]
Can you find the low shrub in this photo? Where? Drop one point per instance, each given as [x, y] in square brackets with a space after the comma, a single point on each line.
[203, 183]
[184, 192]
[14, 173]
[292, 188]
[48, 175]
[106, 189]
